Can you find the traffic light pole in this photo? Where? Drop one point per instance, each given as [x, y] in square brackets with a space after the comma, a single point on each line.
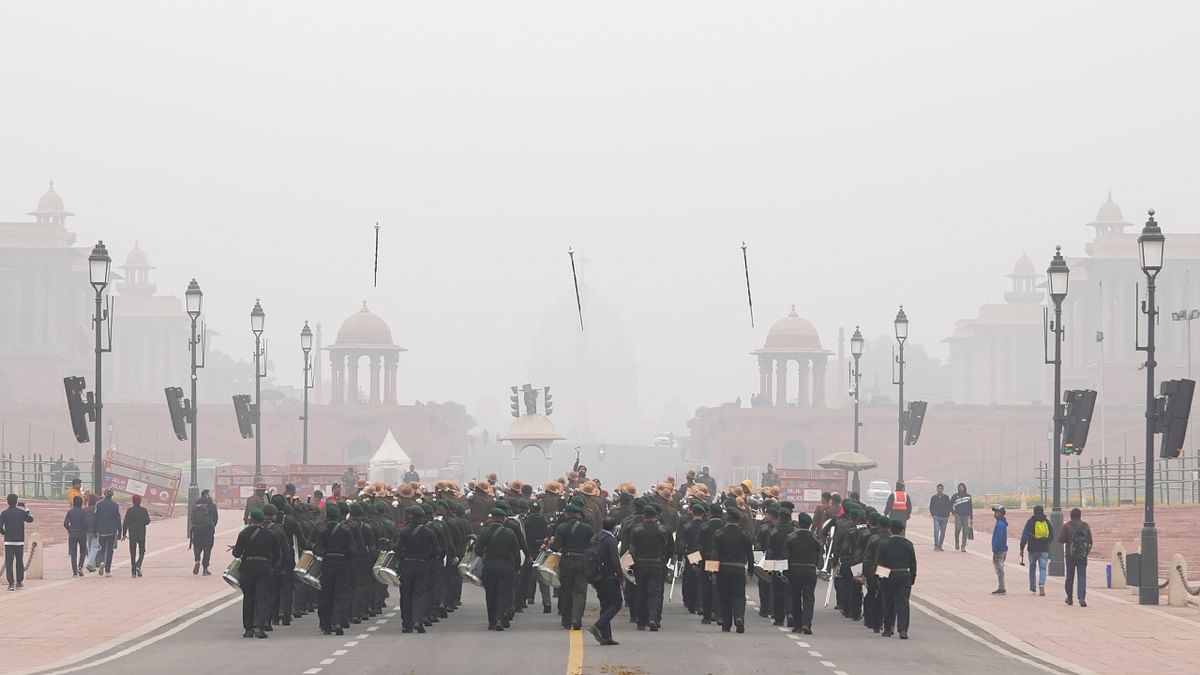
[1148, 586]
[1056, 517]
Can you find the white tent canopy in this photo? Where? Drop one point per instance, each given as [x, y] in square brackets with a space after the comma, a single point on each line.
[389, 462]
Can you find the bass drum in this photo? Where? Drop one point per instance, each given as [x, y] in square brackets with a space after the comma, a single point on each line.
[549, 569]
[308, 569]
[233, 574]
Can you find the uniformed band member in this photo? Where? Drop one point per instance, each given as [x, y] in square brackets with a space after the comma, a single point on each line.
[501, 552]
[259, 552]
[417, 546]
[736, 555]
[804, 557]
[336, 543]
[898, 556]
[650, 545]
[571, 541]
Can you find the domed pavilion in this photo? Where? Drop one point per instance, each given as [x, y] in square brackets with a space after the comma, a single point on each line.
[363, 335]
[792, 338]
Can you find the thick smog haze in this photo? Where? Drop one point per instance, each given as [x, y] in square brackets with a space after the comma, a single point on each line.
[869, 154]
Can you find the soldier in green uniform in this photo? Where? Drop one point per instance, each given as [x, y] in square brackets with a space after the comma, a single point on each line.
[873, 603]
[736, 554]
[898, 556]
[763, 531]
[627, 525]
[571, 540]
[709, 605]
[804, 558]
[687, 542]
[777, 550]
[259, 552]
[416, 545]
[361, 579]
[275, 580]
[501, 553]
[650, 545]
[255, 501]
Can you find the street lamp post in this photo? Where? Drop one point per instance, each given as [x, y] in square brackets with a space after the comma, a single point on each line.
[99, 264]
[194, 299]
[1188, 315]
[901, 324]
[1150, 244]
[856, 350]
[306, 343]
[258, 319]
[1057, 278]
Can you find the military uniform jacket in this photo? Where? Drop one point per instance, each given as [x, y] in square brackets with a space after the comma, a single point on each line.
[571, 539]
[537, 529]
[871, 552]
[733, 549]
[280, 536]
[705, 539]
[688, 538]
[777, 545]
[366, 535]
[650, 542]
[897, 554]
[499, 548]
[257, 499]
[334, 541]
[417, 545]
[803, 550]
[256, 544]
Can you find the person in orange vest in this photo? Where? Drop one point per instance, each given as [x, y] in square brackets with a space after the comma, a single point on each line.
[899, 506]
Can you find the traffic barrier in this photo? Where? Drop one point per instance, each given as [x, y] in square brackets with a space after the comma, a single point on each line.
[1117, 563]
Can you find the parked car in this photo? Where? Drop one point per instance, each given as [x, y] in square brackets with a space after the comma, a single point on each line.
[877, 494]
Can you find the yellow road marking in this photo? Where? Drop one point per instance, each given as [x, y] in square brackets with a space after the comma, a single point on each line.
[575, 657]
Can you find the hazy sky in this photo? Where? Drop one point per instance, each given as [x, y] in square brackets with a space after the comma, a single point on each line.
[870, 154]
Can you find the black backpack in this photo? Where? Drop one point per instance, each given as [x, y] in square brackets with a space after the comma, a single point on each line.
[200, 516]
[1080, 548]
[595, 563]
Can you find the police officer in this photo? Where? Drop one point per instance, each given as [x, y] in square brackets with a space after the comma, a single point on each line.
[501, 553]
[736, 554]
[571, 540]
[650, 545]
[899, 506]
[804, 558]
[259, 552]
[898, 556]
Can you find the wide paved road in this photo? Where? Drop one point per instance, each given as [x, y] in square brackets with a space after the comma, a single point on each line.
[536, 644]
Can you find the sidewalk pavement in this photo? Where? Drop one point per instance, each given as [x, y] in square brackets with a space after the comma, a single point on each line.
[1113, 634]
[59, 618]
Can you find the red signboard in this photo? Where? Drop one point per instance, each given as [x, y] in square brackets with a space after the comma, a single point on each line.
[803, 487]
[309, 477]
[157, 484]
[236, 483]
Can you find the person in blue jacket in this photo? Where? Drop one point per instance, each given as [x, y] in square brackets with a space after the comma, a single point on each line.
[108, 527]
[75, 523]
[999, 547]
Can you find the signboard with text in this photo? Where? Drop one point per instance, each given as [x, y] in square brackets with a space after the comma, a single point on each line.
[157, 484]
[803, 487]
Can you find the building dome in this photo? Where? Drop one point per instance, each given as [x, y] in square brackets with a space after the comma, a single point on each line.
[792, 334]
[1024, 267]
[364, 329]
[50, 207]
[532, 428]
[1109, 212]
[137, 258]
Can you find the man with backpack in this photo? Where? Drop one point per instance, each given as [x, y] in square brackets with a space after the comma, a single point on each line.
[602, 566]
[1078, 539]
[1036, 536]
[202, 531]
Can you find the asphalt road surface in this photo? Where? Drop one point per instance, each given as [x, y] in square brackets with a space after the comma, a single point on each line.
[537, 644]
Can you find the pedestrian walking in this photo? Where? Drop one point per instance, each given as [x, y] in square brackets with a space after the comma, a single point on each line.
[899, 506]
[999, 547]
[108, 526]
[74, 491]
[75, 523]
[202, 532]
[12, 528]
[1077, 536]
[964, 517]
[134, 529]
[939, 509]
[1036, 536]
[603, 569]
[93, 541]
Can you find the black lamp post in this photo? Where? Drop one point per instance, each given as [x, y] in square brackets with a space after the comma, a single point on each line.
[194, 300]
[856, 350]
[99, 264]
[306, 343]
[1057, 277]
[901, 324]
[1150, 244]
[258, 320]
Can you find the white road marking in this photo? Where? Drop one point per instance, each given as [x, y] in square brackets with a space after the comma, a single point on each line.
[312, 671]
[784, 629]
[381, 621]
[390, 615]
[373, 628]
[352, 643]
[803, 644]
[829, 664]
[938, 617]
[840, 672]
[339, 652]
[326, 662]
[813, 653]
[364, 636]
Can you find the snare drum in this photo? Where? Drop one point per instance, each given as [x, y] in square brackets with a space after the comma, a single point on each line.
[382, 570]
[549, 568]
[233, 574]
[308, 569]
